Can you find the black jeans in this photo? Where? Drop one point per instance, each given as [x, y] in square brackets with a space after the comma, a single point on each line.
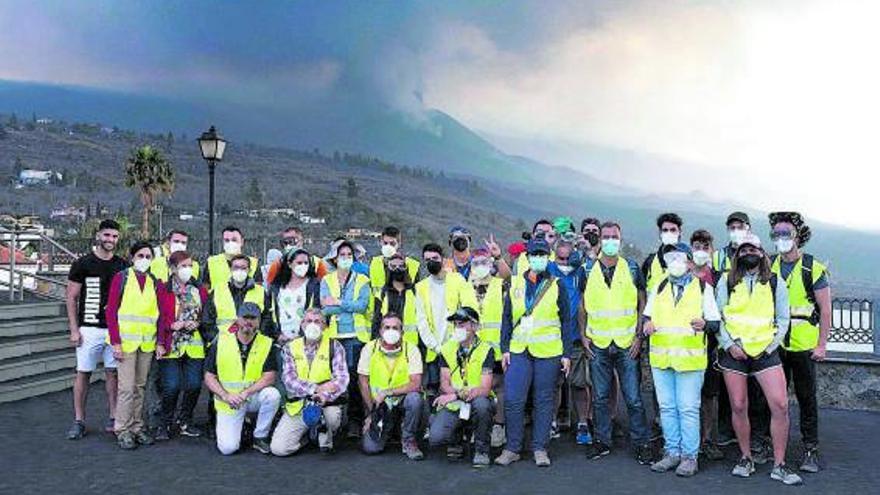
[801, 369]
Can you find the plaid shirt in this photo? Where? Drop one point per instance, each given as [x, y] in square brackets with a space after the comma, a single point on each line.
[298, 388]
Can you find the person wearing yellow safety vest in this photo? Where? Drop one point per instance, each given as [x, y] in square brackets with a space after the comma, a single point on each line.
[466, 363]
[588, 241]
[175, 241]
[544, 229]
[398, 297]
[461, 243]
[132, 318]
[535, 320]
[390, 244]
[389, 379]
[218, 267]
[756, 318]
[292, 239]
[614, 296]
[438, 296]
[226, 298]
[316, 377]
[180, 349]
[680, 312]
[490, 290]
[654, 268]
[738, 226]
[346, 300]
[809, 295]
[240, 370]
[294, 289]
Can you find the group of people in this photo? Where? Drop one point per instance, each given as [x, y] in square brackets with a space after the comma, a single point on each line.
[464, 350]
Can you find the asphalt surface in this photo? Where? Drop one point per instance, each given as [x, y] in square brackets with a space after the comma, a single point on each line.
[36, 458]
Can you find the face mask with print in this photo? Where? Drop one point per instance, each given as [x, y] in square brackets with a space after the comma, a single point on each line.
[668, 238]
[344, 263]
[391, 336]
[701, 258]
[482, 271]
[784, 245]
[239, 276]
[142, 264]
[388, 250]
[610, 247]
[312, 331]
[538, 263]
[185, 273]
[677, 268]
[301, 270]
[176, 247]
[231, 248]
[460, 334]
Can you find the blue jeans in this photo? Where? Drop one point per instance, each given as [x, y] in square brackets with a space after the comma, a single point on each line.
[678, 393]
[527, 372]
[182, 374]
[355, 406]
[602, 367]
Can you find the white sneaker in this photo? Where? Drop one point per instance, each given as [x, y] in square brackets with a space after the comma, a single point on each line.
[498, 436]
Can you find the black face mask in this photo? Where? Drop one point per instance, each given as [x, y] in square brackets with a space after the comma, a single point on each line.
[460, 243]
[749, 261]
[398, 275]
[592, 238]
[434, 266]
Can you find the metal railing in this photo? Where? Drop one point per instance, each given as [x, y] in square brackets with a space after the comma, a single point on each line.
[853, 321]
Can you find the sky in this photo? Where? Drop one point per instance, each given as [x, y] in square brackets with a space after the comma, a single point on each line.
[771, 103]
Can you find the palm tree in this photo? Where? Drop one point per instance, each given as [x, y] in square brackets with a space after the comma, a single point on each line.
[147, 170]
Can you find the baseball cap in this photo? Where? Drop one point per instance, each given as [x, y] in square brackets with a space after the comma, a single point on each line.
[738, 216]
[248, 310]
[465, 313]
[538, 245]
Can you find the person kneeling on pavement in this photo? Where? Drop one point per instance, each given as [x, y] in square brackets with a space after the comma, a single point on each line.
[315, 375]
[390, 378]
[240, 370]
[466, 364]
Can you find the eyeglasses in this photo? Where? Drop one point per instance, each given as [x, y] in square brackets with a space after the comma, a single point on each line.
[781, 234]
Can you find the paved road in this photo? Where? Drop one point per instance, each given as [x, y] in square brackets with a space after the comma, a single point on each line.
[35, 457]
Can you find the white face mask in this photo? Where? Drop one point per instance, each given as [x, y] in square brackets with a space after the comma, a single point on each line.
[668, 238]
[701, 258]
[482, 271]
[142, 264]
[784, 245]
[312, 331]
[231, 248]
[460, 334]
[388, 250]
[677, 268]
[737, 235]
[185, 273]
[391, 336]
[301, 270]
[239, 276]
[175, 247]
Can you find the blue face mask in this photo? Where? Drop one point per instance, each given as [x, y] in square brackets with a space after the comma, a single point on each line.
[610, 247]
[538, 263]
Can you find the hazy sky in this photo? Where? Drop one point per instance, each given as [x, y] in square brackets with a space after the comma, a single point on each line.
[770, 102]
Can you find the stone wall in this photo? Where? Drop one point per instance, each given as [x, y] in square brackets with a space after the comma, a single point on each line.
[849, 381]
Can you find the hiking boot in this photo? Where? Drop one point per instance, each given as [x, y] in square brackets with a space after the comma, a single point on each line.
[762, 454]
[786, 475]
[411, 449]
[77, 430]
[597, 450]
[481, 460]
[507, 458]
[143, 438]
[189, 430]
[126, 441]
[687, 467]
[261, 445]
[712, 452]
[668, 462]
[744, 468]
[162, 433]
[497, 438]
[554, 431]
[541, 458]
[454, 452]
[810, 463]
[645, 454]
[583, 434]
[109, 425]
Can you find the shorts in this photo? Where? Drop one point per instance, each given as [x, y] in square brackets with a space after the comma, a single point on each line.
[751, 366]
[580, 367]
[94, 348]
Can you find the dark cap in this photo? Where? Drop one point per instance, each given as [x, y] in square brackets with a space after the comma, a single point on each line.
[738, 216]
[248, 310]
[680, 247]
[538, 245]
[465, 313]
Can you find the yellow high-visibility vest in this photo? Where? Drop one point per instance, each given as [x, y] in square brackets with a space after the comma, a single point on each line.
[159, 268]
[317, 371]
[459, 293]
[472, 374]
[656, 273]
[804, 335]
[138, 313]
[675, 344]
[377, 272]
[611, 311]
[750, 317]
[361, 320]
[219, 272]
[225, 304]
[410, 321]
[195, 347]
[491, 310]
[540, 333]
[230, 373]
[389, 372]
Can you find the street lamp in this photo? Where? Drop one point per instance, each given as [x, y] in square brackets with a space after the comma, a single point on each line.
[212, 146]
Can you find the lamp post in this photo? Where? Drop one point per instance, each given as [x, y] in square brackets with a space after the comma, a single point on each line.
[212, 146]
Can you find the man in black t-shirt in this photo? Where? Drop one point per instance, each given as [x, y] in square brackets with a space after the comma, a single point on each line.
[87, 289]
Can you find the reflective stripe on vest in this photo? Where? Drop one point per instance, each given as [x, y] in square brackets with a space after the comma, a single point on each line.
[410, 325]
[675, 344]
[750, 317]
[491, 310]
[137, 314]
[473, 368]
[804, 335]
[229, 369]
[361, 320]
[611, 311]
[458, 293]
[219, 272]
[543, 339]
[225, 304]
[317, 371]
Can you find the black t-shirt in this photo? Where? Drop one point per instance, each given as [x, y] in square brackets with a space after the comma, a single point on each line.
[95, 275]
[271, 363]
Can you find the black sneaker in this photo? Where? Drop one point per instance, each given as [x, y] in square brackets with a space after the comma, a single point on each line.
[77, 430]
[261, 445]
[189, 430]
[810, 464]
[162, 434]
[597, 450]
[554, 430]
[455, 452]
[645, 454]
